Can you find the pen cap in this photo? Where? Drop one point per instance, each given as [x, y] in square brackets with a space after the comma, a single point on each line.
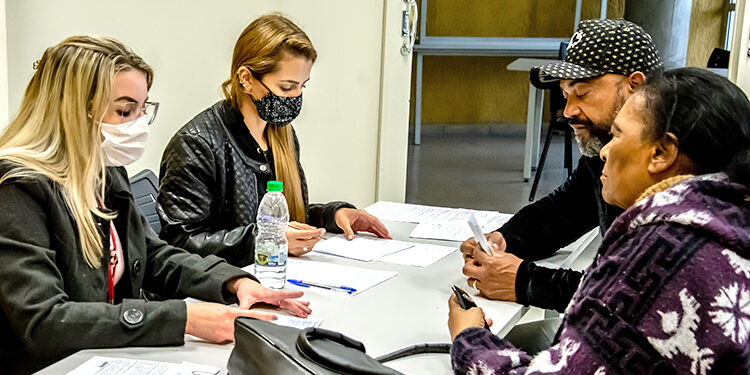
[275, 186]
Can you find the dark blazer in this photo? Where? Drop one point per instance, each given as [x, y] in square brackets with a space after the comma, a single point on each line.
[540, 229]
[208, 195]
[54, 304]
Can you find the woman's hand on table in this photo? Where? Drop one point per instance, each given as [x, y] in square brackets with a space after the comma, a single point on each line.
[351, 220]
[460, 319]
[215, 322]
[250, 292]
[302, 237]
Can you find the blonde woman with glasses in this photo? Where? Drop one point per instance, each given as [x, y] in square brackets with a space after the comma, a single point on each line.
[215, 169]
[75, 254]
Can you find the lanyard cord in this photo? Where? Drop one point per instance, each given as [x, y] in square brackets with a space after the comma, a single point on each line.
[112, 264]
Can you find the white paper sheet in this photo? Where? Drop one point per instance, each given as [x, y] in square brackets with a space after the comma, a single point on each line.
[417, 213]
[290, 321]
[98, 365]
[358, 278]
[420, 255]
[364, 248]
[457, 231]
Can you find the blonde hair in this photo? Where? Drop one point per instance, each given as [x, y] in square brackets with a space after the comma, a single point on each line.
[260, 47]
[56, 133]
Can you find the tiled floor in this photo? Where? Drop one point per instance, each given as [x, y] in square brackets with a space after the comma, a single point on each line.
[481, 170]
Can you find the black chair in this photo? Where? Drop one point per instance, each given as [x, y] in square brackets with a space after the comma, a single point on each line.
[558, 122]
[144, 187]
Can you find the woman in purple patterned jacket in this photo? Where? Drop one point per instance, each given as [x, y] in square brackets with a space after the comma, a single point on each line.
[669, 291]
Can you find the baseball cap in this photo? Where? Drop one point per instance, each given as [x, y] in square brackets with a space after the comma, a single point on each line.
[601, 46]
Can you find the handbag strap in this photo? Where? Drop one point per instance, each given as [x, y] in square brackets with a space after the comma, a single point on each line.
[414, 350]
[308, 334]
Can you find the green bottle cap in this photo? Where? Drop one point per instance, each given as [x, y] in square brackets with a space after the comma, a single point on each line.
[274, 186]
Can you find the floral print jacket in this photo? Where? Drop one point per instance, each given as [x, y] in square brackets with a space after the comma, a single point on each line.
[668, 293]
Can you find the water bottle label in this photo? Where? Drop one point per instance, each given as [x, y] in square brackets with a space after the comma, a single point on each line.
[270, 254]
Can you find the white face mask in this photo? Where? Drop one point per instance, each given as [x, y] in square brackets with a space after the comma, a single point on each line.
[124, 143]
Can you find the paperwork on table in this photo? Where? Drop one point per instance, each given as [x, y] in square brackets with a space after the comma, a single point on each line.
[359, 279]
[294, 322]
[439, 223]
[368, 248]
[98, 365]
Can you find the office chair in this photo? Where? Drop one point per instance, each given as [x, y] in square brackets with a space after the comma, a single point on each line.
[144, 187]
[557, 122]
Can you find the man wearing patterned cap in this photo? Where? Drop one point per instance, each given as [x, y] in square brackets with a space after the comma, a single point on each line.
[606, 61]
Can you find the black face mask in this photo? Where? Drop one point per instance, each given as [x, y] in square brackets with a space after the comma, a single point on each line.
[278, 110]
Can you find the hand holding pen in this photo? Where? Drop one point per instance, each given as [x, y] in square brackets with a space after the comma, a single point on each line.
[302, 237]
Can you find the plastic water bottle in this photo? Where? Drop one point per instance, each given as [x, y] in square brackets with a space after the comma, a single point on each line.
[271, 248]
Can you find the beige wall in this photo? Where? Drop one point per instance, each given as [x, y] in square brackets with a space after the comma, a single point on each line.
[479, 90]
[739, 63]
[4, 115]
[706, 30]
[189, 43]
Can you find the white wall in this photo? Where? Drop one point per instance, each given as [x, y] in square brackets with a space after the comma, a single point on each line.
[739, 62]
[189, 44]
[4, 115]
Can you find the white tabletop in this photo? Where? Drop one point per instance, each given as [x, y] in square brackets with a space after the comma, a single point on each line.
[525, 64]
[411, 308]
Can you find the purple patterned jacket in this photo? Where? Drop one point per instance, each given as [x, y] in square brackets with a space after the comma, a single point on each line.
[668, 293]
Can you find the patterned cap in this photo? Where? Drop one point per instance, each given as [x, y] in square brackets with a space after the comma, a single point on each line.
[601, 46]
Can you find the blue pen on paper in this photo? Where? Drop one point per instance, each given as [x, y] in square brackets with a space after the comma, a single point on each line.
[479, 235]
[307, 284]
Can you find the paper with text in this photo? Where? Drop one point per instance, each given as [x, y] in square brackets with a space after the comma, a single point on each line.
[98, 365]
[299, 323]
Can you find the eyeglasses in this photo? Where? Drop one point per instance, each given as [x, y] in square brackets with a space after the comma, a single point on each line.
[129, 112]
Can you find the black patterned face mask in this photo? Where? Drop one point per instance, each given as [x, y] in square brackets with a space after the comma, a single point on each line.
[278, 110]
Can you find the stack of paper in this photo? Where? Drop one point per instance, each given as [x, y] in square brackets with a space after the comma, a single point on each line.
[440, 223]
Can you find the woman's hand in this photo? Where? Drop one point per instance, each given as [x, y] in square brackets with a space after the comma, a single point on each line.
[250, 292]
[351, 220]
[302, 237]
[460, 319]
[215, 322]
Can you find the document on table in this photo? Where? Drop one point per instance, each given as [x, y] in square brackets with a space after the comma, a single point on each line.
[290, 321]
[98, 365]
[440, 223]
[359, 279]
[420, 255]
[364, 248]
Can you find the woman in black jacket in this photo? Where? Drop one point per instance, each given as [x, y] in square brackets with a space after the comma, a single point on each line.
[75, 254]
[214, 170]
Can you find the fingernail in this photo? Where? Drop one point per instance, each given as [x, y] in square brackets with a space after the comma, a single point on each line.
[350, 237]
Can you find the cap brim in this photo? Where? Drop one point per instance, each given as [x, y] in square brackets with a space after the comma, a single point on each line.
[549, 75]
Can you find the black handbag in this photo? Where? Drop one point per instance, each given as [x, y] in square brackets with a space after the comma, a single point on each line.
[262, 347]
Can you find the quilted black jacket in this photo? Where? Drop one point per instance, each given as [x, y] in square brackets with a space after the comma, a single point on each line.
[538, 230]
[208, 198]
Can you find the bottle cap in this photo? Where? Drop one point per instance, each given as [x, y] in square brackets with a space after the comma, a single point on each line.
[274, 186]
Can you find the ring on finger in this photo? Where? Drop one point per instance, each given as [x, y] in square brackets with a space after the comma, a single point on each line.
[304, 249]
[474, 284]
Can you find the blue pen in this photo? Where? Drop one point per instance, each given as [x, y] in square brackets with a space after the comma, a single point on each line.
[307, 284]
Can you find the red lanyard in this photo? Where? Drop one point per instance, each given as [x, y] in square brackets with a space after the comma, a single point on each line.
[112, 264]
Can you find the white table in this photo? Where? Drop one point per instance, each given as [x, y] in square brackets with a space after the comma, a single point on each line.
[408, 309]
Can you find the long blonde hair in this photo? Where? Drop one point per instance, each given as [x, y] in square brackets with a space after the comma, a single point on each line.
[56, 133]
[260, 47]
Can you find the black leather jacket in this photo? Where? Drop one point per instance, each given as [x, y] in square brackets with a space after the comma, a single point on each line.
[208, 196]
[538, 230]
